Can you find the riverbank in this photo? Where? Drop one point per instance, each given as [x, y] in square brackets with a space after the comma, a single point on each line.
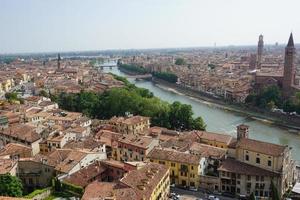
[288, 122]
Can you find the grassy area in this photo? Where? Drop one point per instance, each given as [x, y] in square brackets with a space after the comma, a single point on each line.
[35, 192]
[54, 195]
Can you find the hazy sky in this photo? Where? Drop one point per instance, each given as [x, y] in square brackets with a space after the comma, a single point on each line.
[68, 25]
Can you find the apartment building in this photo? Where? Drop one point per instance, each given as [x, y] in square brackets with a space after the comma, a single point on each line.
[133, 147]
[130, 125]
[184, 167]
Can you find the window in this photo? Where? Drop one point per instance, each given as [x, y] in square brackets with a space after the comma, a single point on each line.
[269, 163]
[192, 167]
[173, 164]
[266, 193]
[262, 178]
[258, 160]
[238, 176]
[247, 157]
[249, 178]
[257, 178]
[238, 190]
[161, 162]
[238, 182]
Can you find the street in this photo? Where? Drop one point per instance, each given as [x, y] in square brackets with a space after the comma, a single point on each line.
[193, 195]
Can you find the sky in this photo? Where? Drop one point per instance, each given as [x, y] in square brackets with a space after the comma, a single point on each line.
[78, 25]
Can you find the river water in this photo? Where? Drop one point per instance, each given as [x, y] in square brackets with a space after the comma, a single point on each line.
[221, 121]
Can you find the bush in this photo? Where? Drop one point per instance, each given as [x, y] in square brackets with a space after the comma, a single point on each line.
[10, 186]
[35, 192]
[170, 77]
[134, 68]
[72, 188]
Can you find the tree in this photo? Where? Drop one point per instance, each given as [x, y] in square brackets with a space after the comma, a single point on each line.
[198, 124]
[44, 93]
[179, 61]
[10, 186]
[275, 194]
[181, 116]
[167, 76]
[11, 96]
[138, 101]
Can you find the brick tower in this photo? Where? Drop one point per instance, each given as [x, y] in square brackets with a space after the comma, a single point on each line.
[260, 48]
[58, 61]
[289, 68]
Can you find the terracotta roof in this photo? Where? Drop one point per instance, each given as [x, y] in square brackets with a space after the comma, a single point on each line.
[207, 150]
[6, 165]
[145, 179]
[62, 159]
[106, 136]
[138, 141]
[22, 132]
[135, 119]
[212, 136]
[173, 155]
[261, 147]
[85, 176]
[15, 149]
[105, 190]
[113, 163]
[232, 165]
[177, 144]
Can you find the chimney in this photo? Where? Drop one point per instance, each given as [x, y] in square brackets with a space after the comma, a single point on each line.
[242, 131]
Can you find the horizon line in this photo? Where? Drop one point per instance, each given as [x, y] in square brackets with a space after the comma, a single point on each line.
[136, 49]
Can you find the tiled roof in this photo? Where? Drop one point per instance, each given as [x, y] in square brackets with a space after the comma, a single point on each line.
[22, 132]
[138, 141]
[173, 155]
[261, 147]
[145, 179]
[211, 136]
[14, 149]
[207, 150]
[232, 165]
[84, 176]
[105, 190]
[6, 165]
[62, 159]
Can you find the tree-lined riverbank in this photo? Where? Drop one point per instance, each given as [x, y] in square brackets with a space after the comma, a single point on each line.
[222, 120]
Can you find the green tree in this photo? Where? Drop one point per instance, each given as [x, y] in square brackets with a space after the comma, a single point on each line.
[288, 106]
[10, 186]
[179, 61]
[167, 76]
[275, 194]
[44, 93]
[138, 101]
[11, 96]
[181, 116]
[198, 124]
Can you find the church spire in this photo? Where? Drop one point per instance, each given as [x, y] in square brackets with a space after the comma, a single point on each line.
[291, 41]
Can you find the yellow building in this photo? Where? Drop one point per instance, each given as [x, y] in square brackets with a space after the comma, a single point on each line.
[130, 125]
[252, 165]
[185, 168]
